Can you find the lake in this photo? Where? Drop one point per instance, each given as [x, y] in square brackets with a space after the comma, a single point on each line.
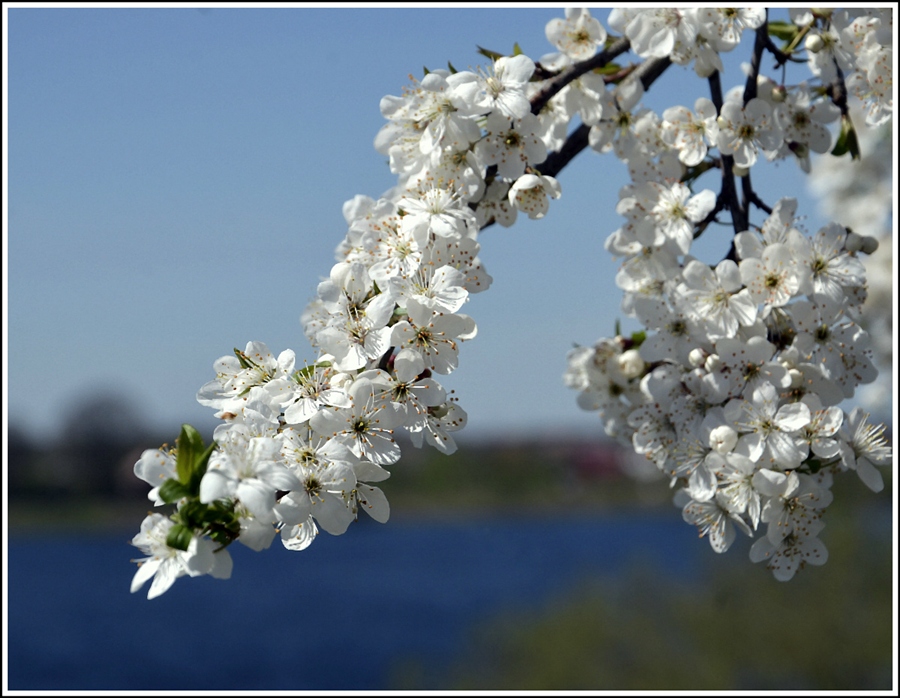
[341, 615]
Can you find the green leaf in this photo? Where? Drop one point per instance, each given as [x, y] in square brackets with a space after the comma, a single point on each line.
[189, 446]
[638, 338]
[179, 537]
[172, 491]
[618, 327]
[493, 55]
[451, 68]
[847, 141]
[199, 469]
[517, 50]
[425, 70]
[783, 30]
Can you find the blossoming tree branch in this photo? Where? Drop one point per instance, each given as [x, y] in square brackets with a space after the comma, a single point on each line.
[734, 387]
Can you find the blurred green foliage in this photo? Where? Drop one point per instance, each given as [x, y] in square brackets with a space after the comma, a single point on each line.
[734, 627]
[499, 475]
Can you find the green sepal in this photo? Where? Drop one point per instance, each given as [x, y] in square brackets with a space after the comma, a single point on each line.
[493, 55]
[242, 357]
[172, 491]
[608, 69]
[814, 465]
[425, 70]
[847, 141]
[451, 68]
[179, 537]
[189, 447]
[783, 30]
[517, 50]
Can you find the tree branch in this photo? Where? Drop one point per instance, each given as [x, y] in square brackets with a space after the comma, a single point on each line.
[647, 73]
[728, 198]
[759, 47]
[573, 72]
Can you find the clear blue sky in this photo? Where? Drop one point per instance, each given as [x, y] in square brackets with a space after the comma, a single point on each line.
[175, 186]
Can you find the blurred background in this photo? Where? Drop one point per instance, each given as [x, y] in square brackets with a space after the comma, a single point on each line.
[175, 186]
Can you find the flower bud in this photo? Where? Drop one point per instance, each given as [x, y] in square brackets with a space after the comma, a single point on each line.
[779, 93]
[340, 381]
[631, 364]
[869, 244]
[790, 356]
[814, 43]
[796, 377]
[697, 357]
[740, 171]
[723, 439]
[713, 362]
[853, 242]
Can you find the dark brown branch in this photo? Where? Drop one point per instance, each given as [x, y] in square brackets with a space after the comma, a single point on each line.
[728, 198]
[573, 72]
[781, 57]
[759, 47]
[751, 197]
[647, 73]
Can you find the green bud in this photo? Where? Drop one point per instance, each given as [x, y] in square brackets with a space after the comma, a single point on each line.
[847, 141]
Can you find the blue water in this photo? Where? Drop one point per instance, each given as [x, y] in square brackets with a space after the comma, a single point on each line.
[337, 616]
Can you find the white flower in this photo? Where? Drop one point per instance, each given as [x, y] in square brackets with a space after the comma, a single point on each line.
[691, 135]
[154, 467]
[745, 129]
[863, 446]
[440, 289]
[768, 430]
[529, 193]
[435, 211]
[793, 502]
[440, 422]
[723, 25]
[803, 121]
[655, 33]
[367, 427]
[247, 468]
[312, 391]
[511, 145]
[829, 268]
[792, 552]
[676, 212]
[434, 337]
[504, 91]
[166, 564]
[715, 519]
[716, 298]
[578, 35]
[773, 279]
[241, 378]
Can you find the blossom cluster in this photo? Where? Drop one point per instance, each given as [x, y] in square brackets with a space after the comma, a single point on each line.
[731, 396]
[732, 389]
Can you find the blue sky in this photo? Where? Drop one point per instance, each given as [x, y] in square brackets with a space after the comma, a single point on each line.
[175, 182]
